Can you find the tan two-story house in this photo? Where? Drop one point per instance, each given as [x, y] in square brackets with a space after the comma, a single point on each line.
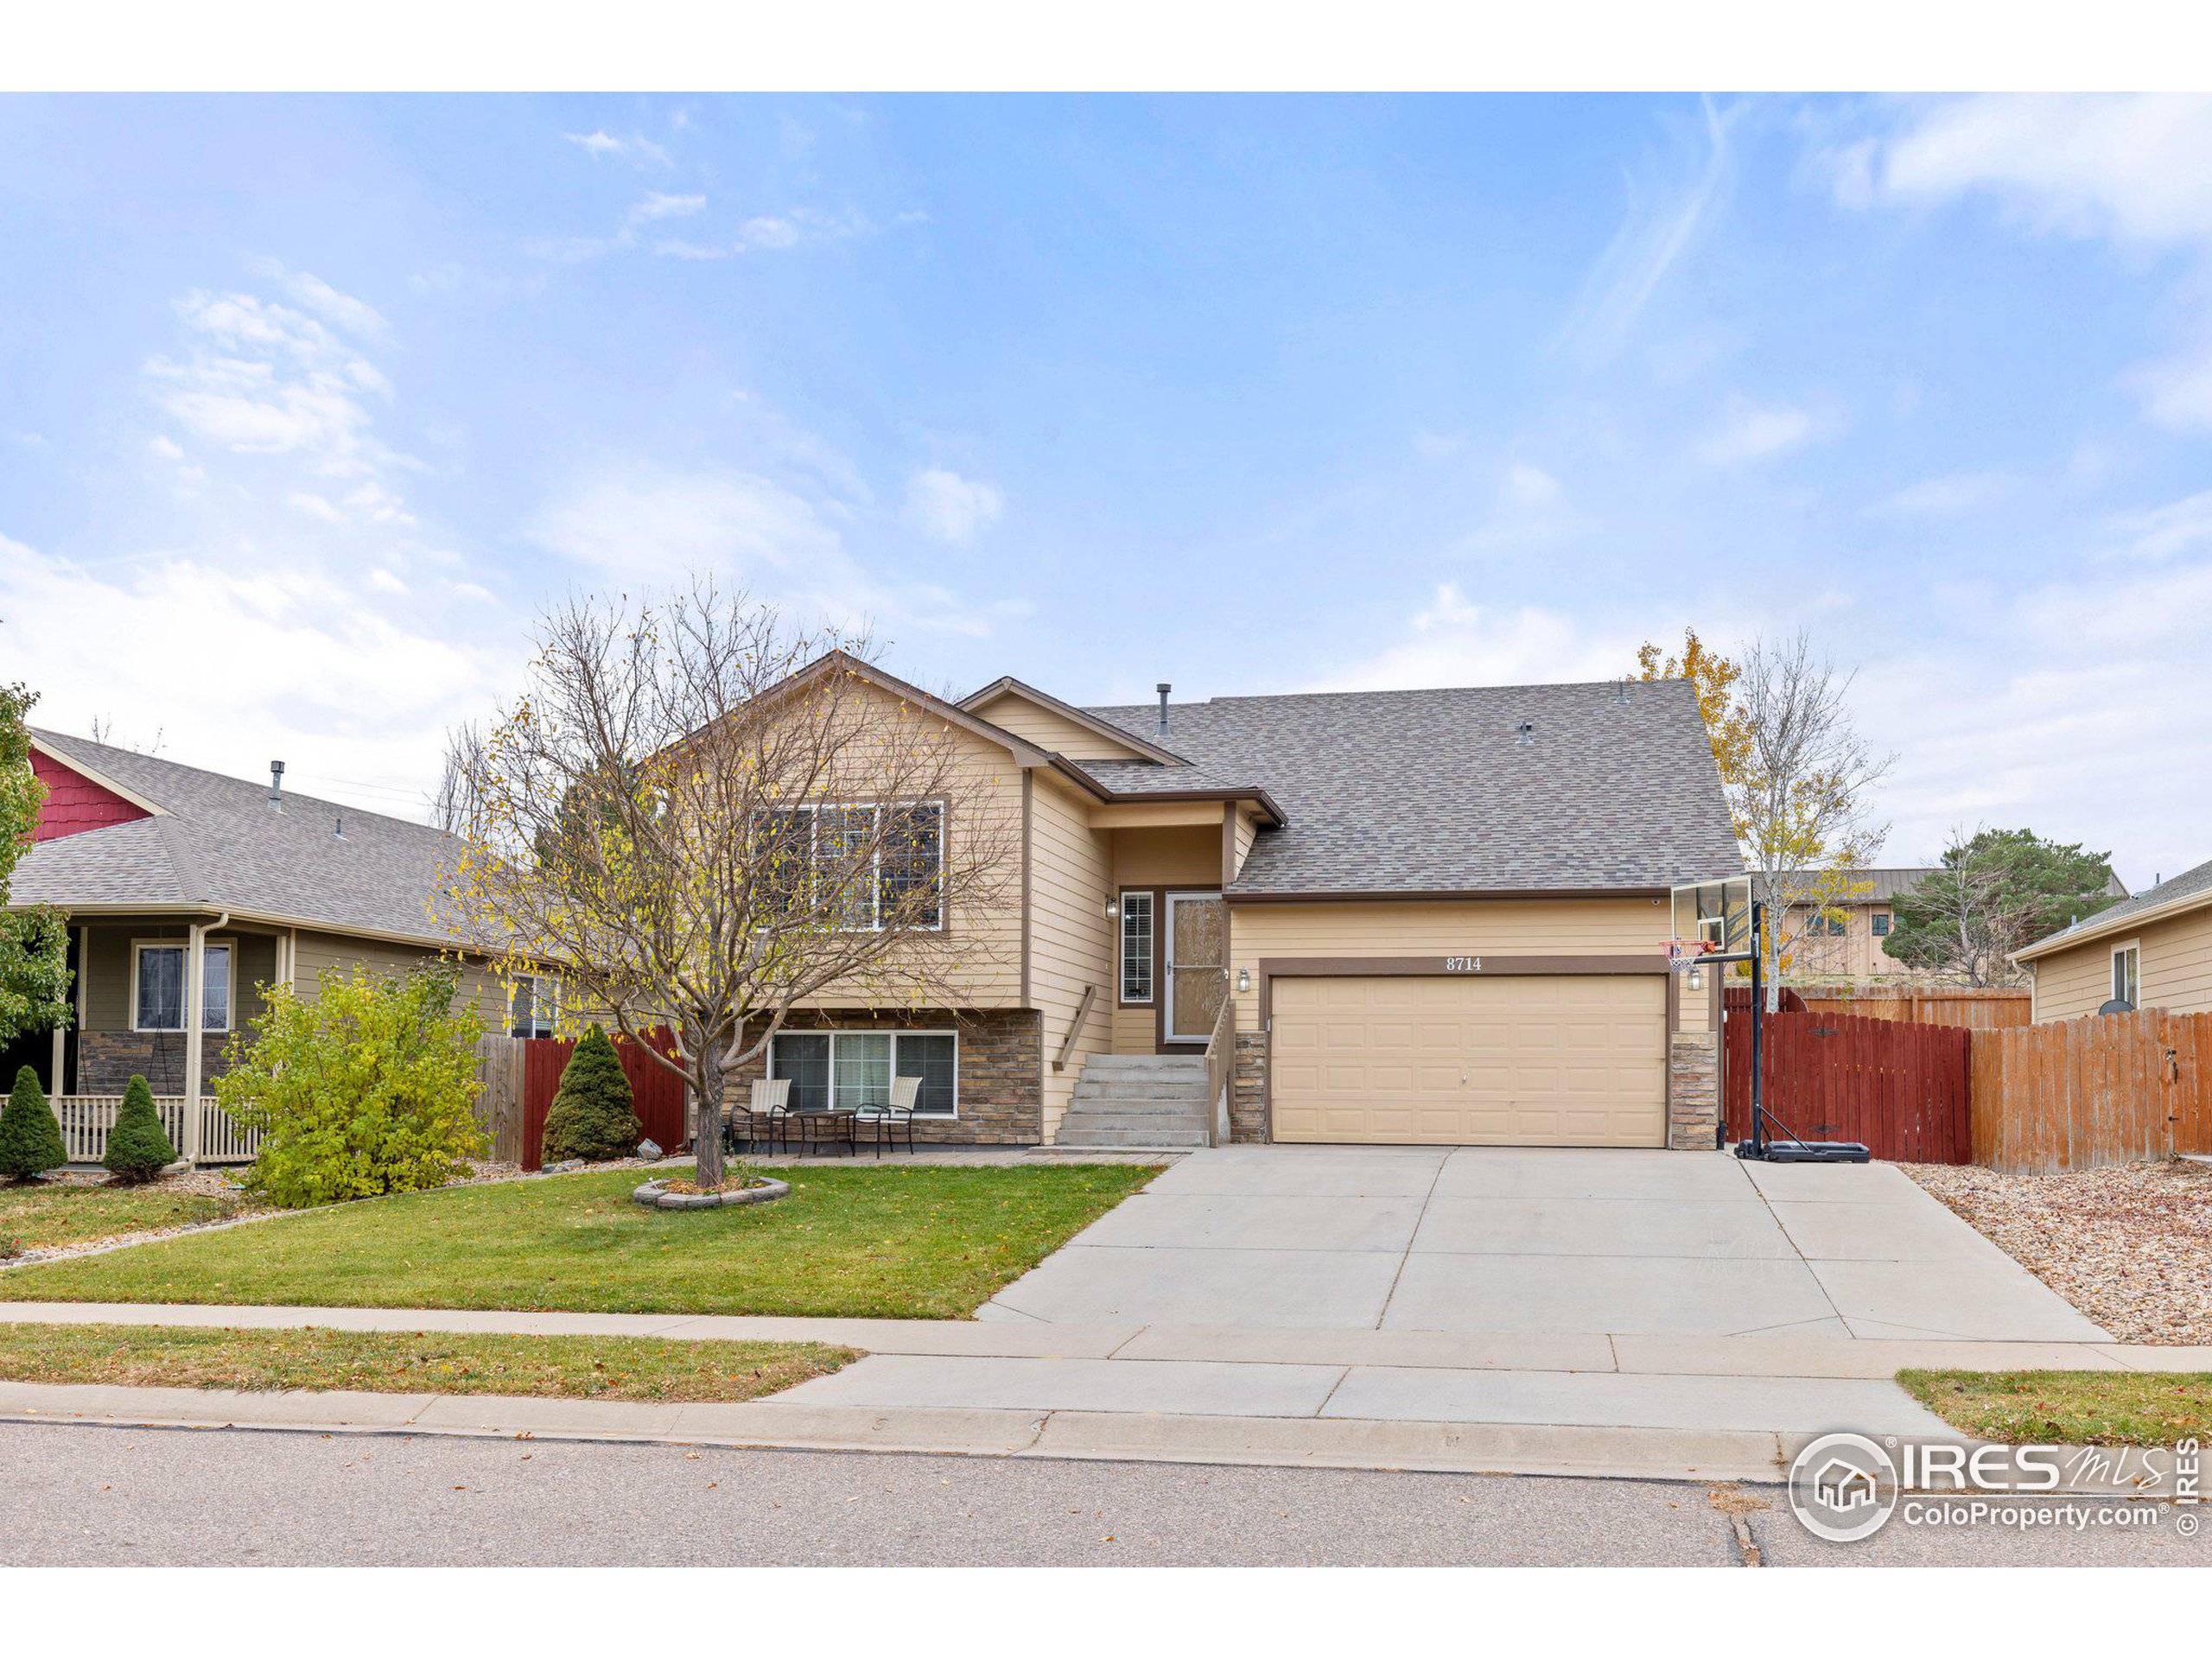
[1430, 916]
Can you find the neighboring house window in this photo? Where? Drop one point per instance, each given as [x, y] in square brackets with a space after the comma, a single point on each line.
[534, 1006]
[1137, 947]
[1880, 922]
[1826, 926]
[903, 883]
[854, 1068]
[2126, 979]
[158, 991]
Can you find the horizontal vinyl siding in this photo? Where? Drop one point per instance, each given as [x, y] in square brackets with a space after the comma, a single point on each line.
[1052, 731]
[321, 952]
[1550, 927]
[1136, 1029]
[2176, 969]
[108, 967]
[1071, 938]
[1151, 858]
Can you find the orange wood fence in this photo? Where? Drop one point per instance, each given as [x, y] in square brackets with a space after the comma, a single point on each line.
[1901, 1089]
[2110, 1088]
[1988, 1008]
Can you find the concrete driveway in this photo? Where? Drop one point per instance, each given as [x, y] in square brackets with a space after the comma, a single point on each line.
[1565, 1242]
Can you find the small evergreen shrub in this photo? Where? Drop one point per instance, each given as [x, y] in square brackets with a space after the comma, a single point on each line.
[367, 1087]
[592, 1116]
[138, 1146]
[30, 1140]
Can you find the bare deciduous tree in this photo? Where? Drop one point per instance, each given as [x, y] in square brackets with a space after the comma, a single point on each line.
[1800, 802]
[708, 819]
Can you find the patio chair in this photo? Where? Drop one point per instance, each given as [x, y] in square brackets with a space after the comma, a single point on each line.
[770, 1105]
[889, 1116]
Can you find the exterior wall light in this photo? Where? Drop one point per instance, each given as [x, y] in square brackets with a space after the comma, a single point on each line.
[1697, 979]
[1113, 910]
[1244, 980]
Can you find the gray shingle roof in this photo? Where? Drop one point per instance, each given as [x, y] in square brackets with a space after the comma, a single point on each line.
[1433, 791]
[2189, 883]
[1890, 882]
[219, 843]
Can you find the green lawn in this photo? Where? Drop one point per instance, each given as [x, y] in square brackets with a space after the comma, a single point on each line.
[418, 1361]
[40, 1217]
[2069, 1408]
[920, 1243]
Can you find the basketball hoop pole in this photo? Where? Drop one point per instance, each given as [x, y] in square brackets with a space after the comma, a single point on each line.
[1758, 1015]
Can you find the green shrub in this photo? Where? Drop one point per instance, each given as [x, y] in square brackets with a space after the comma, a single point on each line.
[365, 1089]
[138, 1146]
[592, 1116]
[30, 1141]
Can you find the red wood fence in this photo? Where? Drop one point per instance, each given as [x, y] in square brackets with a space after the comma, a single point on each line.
[1994, 1008]
[2110, 1088]
[1901, 1089]
[659, 1095]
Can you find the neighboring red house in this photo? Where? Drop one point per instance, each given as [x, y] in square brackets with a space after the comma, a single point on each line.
[75, 803]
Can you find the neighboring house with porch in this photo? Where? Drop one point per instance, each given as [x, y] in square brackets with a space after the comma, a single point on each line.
[1427, 916]
[190, 894]
[2153, 950]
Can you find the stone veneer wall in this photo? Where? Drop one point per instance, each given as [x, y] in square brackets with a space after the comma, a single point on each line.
[1694, 1091]
[1002, 1070]
[1248, 1087]
[107, 1059]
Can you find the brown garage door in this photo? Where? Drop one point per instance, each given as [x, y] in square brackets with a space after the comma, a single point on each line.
[1553, 1060]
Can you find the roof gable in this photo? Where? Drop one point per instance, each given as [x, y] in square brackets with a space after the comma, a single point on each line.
[76, 800]
[1060, 727]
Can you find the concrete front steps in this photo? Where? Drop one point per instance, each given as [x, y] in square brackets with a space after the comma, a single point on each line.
[1137, 1100]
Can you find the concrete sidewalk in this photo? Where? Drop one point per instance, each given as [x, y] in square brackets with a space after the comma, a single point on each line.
[1538, 1403]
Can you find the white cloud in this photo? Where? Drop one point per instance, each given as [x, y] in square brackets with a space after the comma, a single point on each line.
[314, 506]
[647, 522]
[166, 448]
[1529, 485]
[341, 310]
[1664, 220]
[949, 507]
[309, 670]
[1948, 496]
[2166, 532]
[1750, 432]
[1452, 641]
[659, 204]
[767, 232]
[637, 149]
[2127, 169]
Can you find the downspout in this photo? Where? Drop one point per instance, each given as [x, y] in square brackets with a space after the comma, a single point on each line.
[195, 1013]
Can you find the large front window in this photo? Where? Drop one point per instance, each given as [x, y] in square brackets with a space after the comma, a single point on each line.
[866, 868]
[159, 989]
[851, 1069]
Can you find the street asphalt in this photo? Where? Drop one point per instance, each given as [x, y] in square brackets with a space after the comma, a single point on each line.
[90, 1496]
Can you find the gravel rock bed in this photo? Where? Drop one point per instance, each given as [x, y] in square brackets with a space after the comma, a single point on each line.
[2131, 1247]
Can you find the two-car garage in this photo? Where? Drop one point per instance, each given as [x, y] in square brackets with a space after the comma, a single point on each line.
[1559, 1059]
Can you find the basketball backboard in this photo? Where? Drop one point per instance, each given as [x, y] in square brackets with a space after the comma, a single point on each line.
[1716, 914]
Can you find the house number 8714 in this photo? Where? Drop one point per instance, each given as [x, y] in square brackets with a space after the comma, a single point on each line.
[1463, 964]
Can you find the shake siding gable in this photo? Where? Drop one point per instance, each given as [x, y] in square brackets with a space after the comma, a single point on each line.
[1071, 938]
[74, 803]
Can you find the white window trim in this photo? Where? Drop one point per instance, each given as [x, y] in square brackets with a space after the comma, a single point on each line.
[815, 808]
[536, 980]
[227, 942]
[833, 1033]
[1121, 947]
[2133, 948]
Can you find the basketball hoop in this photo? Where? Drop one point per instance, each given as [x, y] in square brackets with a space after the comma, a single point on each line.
[1683, 955]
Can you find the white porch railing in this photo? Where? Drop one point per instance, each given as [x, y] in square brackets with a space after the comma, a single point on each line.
[85, 1120]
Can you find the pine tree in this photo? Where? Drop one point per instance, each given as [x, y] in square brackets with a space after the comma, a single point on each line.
[30, 1141]
[138, 1146]
[592, 1116]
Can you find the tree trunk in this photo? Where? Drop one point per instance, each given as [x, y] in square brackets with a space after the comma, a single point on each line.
[706, 1125]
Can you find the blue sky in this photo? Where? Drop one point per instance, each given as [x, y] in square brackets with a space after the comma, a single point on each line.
[307, 406]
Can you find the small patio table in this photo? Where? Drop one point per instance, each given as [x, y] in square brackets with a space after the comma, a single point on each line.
[835, 1124]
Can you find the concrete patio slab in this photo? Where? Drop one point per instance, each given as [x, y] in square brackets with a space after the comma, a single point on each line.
[1099, 1284]
[1971, 1298]
[1195, 1387]
[1781, 1404]
[1643, 1227]
[1207, 1221]
[1670, 1296]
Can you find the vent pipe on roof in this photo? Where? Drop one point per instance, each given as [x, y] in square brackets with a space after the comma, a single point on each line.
[1163, 688]
[276, 784]
[1624, 691]
[1525, 732]
[341, 831]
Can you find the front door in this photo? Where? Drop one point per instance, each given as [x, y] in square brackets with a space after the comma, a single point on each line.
[1197, 964]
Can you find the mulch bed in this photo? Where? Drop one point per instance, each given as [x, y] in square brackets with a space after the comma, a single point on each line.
[2130, 1246]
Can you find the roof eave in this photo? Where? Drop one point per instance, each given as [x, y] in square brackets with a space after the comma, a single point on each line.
[1403, 895]
[2102, 927]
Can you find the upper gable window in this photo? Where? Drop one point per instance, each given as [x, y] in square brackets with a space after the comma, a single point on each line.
[872, 867]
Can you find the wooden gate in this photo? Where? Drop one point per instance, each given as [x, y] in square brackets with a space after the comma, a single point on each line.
[659, 1096]
[2110, 1088]
[1901, 1089]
